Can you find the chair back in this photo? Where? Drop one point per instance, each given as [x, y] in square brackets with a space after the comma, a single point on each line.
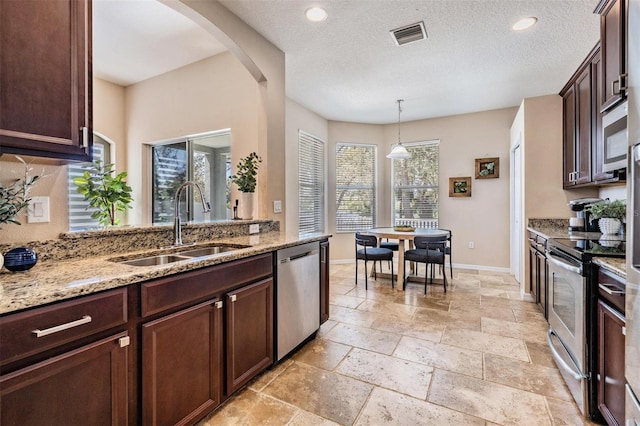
[430, 242]
[366, 240]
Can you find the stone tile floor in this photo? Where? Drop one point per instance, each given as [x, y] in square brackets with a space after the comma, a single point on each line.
[475, 355]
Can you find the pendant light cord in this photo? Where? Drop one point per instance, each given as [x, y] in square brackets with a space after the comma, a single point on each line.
[399, 111]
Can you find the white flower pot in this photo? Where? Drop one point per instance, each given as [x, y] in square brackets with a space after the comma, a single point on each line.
[609, 226]
[246, 206]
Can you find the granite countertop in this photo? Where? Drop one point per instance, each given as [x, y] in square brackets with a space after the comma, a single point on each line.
[52, 281]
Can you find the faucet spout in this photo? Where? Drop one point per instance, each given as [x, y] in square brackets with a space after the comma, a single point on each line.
[177, 223]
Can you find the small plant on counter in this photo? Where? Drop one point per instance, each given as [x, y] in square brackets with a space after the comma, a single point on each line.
[105, 192]
[246, 173]
[608, 209]
[14, 197]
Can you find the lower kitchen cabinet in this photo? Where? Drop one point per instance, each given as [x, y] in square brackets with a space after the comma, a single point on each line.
[85, 386]
[249, 338]
[324, 281]
[182, 365]
[538, 275]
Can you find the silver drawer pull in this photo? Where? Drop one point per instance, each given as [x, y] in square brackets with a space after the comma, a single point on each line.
[41, 333]
[607, 289]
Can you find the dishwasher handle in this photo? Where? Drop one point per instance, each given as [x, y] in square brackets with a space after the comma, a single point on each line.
[298, 256]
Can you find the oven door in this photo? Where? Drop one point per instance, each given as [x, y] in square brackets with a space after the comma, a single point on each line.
[567, 334]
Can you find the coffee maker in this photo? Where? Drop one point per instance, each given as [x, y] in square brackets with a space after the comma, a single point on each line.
[581, 222]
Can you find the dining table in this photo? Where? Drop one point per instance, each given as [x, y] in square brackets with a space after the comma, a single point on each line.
[403, 236]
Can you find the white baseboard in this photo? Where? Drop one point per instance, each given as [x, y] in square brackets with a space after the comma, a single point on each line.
[455, 265]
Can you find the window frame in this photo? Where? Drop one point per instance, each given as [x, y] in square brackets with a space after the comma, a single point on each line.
[317, 176]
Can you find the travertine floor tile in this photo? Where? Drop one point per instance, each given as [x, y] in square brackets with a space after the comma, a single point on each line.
[326, 394]
[529, 316]
[389, 372]
[326, 327]
[530, 332]
[566, 414]
[352, 316]
[496, 403]
[526, 376]
[385, 407]
[448, 319]
[387, 309]
[322, 353]
[483, 312]
[304, 418]
[441, 356]
[265, 378]
[251, 408]
[483, 342]
[345, 301]
[540, 354]
[420, 329]
[508, 303]
[365, 338]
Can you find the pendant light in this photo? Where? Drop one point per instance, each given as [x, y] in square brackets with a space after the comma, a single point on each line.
[399, 152]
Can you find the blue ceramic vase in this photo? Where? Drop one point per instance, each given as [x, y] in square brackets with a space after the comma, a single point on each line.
[20, 259]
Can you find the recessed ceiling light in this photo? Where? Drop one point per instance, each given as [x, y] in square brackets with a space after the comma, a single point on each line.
[316, 14]
[525, 23]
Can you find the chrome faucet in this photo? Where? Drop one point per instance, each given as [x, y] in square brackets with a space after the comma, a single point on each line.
[177, 223]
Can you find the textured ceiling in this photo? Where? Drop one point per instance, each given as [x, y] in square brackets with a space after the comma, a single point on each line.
[348, 68]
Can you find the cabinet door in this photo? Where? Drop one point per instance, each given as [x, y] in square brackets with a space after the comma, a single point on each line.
[249, 333]
[45, 47]
[182, 365]
[569, 137]
[324, 281]
[583, 127]
[541, 270]
[611, 340]
[533, 275]
[87, 386]
[613, 20]
[597, 141]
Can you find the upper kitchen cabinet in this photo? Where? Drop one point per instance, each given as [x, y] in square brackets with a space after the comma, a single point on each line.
[580, 116]
[613, 27]
[45, 58]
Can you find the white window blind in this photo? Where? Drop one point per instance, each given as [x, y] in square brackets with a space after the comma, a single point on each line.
[415, 186]
[79, 215]
[355, 187]
[310, 183]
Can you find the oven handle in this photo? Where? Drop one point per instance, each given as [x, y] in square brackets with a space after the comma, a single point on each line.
[561, 263]
[575, 372]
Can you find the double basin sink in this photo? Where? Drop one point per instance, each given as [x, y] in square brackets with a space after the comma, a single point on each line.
[178, 254]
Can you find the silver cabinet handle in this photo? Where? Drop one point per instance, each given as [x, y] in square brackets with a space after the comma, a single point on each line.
[607, 289]
[218, 304]
[232, 297]
[613, 86]
[41, 333]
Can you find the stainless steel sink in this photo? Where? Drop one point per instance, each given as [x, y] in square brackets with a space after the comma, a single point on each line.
[161, 259]
[207, 251]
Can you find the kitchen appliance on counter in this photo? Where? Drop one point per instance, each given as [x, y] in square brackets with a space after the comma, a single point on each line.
[572, 311]
[581, 222]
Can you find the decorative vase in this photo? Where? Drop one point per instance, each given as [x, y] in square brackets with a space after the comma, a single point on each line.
[20, 259]
[246, 206]
[609, 225]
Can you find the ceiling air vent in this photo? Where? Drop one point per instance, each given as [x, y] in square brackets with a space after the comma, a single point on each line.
[409, 34]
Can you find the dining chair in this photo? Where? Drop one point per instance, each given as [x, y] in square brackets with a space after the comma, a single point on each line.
[447, 250]
[367, 249]
[429, 250]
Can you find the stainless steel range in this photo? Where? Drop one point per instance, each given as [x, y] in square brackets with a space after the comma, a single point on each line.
[572, 307]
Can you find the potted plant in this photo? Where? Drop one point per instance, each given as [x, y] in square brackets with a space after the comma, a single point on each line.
[14, 197]
[245, 179]
[106, 192]
[609, 215]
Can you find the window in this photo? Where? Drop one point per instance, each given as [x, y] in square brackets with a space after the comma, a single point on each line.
[415, 186]
[205, 159]
[79, 215]
[310, 183]
[355, 187]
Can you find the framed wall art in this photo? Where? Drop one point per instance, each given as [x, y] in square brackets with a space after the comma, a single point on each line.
[487, 168]
[460, 186]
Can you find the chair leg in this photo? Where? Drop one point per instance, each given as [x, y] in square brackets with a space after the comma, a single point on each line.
[451, 266]
[426, 273]
[356, 272]
[366, 274]
[444, 280]
[404, 275]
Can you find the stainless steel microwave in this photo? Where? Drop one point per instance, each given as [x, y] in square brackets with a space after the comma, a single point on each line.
[614, 126]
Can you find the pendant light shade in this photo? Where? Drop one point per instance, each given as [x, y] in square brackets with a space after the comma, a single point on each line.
[399, 152]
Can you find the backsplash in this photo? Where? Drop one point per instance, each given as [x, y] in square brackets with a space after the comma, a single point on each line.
[79, 245]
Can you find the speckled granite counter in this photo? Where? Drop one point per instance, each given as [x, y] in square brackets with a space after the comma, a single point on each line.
[558, 228]
[55, 280]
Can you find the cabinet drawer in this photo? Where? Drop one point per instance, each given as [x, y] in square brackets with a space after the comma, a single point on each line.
[612, 289]
[39, 329]
[165, 293]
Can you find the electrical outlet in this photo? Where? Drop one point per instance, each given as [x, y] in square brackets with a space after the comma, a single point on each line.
[277, 206]
[254, 229]
[38, 210]
[471, 245]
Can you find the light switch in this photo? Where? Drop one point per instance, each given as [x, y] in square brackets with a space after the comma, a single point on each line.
[38, 210]
[277, 206]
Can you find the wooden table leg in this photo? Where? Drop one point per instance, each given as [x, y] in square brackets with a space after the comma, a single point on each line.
[400, 265]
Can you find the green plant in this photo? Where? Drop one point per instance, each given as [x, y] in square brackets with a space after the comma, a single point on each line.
[247, 171]
[613, 209]
[104, 191]
[14, 198]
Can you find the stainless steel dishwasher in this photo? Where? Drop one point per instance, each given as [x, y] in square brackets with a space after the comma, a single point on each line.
[298, 295]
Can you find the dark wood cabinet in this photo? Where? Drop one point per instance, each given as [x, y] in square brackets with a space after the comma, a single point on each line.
[538, 270]
[182, 365]
[324, 281]
[45, 58]
[611, 340]
[249, 332]
[580, 117]
[613, 34]
[85, 386]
